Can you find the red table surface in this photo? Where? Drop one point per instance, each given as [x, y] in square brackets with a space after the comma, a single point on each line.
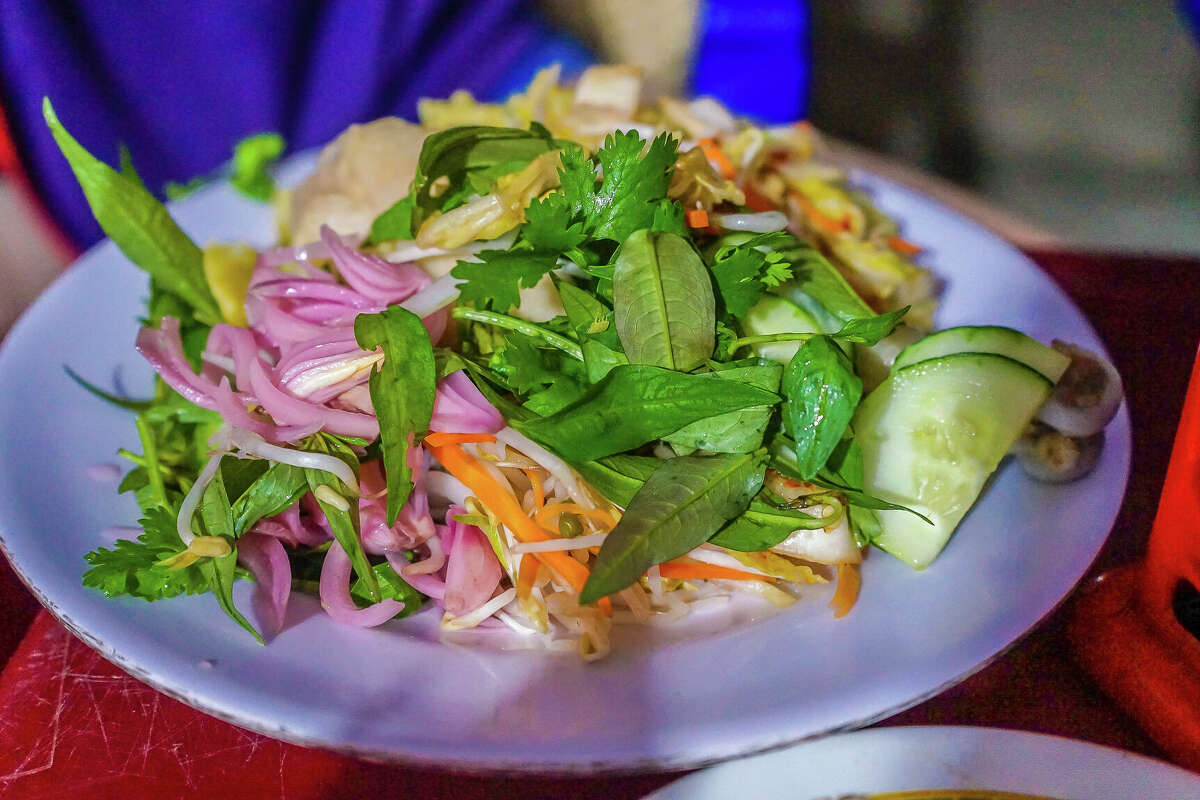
[73, 724]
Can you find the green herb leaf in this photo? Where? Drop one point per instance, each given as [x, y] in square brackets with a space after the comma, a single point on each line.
[402, 392]
[464, 156]
[126, 403]
[273, 492]
[668, 218]
[549, 225]
[737, 431]
[633, 184]
[814, 277]
[592, 321]
[636, 404]
[138, 224]
[663, 303]
[252, 158]
[869, 330]
[394, 223]
[391, 587]
[618, 477]
[131, 567]
[820, 393]
[762, 526]
[683, 503]
[495, 280]
[344, 522]
[220, 573]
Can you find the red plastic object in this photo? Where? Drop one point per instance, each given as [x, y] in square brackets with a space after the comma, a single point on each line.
[1124, 630]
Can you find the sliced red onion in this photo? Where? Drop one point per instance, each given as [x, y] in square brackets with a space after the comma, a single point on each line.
[371, 275]
[414, 519]
[314, 251]
[459, 407]
[335, 594]
[164, 350]
[427, 566]
[428, 585]
[266, 559]
[472, 571]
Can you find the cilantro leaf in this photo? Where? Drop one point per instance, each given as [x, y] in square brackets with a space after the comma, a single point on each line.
[632, 185]
[737, 280]
[495, 281]
[549, 224]
[131, 567]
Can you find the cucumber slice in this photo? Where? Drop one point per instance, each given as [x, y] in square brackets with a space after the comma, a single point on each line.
[986, 339]
[772, 315]
[932, 433]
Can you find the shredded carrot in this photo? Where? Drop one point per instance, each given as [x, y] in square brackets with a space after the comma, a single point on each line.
[846, 593]
[527, 575]
[601, 515]
[903, 246]
[439, 439]
[698, 571]
[818, 218]
[756, 200]
[714, 153]
[501, 503]
[696, 218]
[539, 493]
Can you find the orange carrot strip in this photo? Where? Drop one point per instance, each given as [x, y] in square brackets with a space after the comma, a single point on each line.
[544, 515]
[697, 570]
[903, 246]
[848, 582]
[501, 503]
[818, 218]
[440, 439]
[714, 153]
[696, 218]
[756, 200]
[539, 493]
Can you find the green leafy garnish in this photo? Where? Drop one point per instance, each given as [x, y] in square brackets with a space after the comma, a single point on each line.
[636, 404]
[869, 330]
[663, 302]
[133, 568]
[138, 224]
[496, 279]
[683, 503]
[252, 158]
[402, 392]
[820, 393]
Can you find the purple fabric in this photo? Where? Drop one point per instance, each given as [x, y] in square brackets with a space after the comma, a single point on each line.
[179, 82]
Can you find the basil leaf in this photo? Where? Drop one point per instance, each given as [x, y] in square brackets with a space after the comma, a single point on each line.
[220, 574]
[593, 324]
[869, 330]
[391, 587]
[737, 431]
[636, 404]
[343, 522]
[820, 393]
[663, 302]
[394, 223]
[683, 503]
[618, 477]
[814, 277]
[138, 224]
[272, 493]
[762, 526]
[402, 392]
[217, 516]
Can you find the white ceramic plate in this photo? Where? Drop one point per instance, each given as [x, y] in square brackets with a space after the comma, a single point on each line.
[692, 696]
[915, 759]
